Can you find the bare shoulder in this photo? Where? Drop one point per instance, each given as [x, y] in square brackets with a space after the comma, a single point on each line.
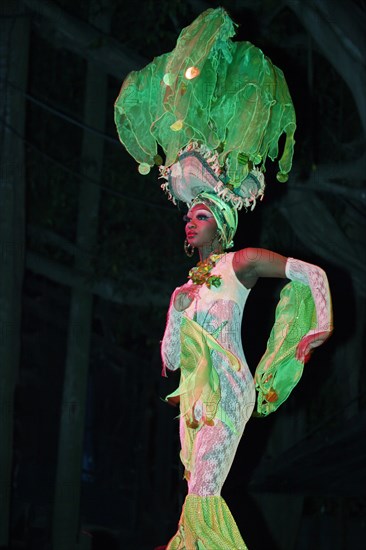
[244, 267]
[244, 260]
[258, 262]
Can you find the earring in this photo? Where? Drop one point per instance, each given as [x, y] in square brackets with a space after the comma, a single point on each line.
[188, 249]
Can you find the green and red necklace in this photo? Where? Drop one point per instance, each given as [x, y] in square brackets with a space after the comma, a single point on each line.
[201, 273]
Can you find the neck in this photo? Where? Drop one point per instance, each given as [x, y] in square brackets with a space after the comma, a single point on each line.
[206, 251]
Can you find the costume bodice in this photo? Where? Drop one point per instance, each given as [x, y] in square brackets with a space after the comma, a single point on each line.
[216, 389]
[219, 310]
[231, 289]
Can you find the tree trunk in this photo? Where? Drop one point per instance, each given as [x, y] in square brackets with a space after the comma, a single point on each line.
[65, 533]
[14, 35]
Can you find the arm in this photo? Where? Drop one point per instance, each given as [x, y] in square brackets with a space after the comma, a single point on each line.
[181, 298]
[170, 344]
[316, 278]
[251, 263]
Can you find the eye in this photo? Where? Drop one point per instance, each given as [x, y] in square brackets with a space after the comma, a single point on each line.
[186, 219]
[202, 217]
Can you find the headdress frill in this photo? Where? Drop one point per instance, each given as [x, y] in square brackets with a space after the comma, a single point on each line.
[222, 99]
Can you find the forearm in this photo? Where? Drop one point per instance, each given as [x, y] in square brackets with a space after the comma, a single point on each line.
[170, 344]
[316, 278]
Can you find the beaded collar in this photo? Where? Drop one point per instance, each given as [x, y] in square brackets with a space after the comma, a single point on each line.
[200, 274]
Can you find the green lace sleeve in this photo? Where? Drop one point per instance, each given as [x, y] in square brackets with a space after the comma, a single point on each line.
[279, 371]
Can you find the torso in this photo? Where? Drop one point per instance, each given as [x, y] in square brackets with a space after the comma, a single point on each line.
[220, 310]
[208, 452]
[231, 288]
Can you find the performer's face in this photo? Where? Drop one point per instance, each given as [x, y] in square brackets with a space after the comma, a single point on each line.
[201, 226]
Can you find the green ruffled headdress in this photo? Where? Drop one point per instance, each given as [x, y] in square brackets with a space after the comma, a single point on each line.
[216, 107]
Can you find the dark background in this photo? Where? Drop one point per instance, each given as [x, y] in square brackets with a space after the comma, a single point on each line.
[91, 251]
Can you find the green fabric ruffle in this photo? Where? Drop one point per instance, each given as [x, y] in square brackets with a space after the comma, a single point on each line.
[199, 379]
[279, 371]
[206, 523]
[238, 105]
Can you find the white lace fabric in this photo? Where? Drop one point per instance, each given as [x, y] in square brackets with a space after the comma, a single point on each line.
[316, 278]
[170, 344]
[219, 311]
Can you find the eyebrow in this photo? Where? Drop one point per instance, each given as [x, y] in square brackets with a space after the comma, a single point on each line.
[201, 211]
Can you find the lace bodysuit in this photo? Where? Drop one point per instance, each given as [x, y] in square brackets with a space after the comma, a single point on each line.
[208, 448]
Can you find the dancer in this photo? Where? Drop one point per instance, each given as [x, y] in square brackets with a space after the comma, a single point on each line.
[217, 392]
[218, 108]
